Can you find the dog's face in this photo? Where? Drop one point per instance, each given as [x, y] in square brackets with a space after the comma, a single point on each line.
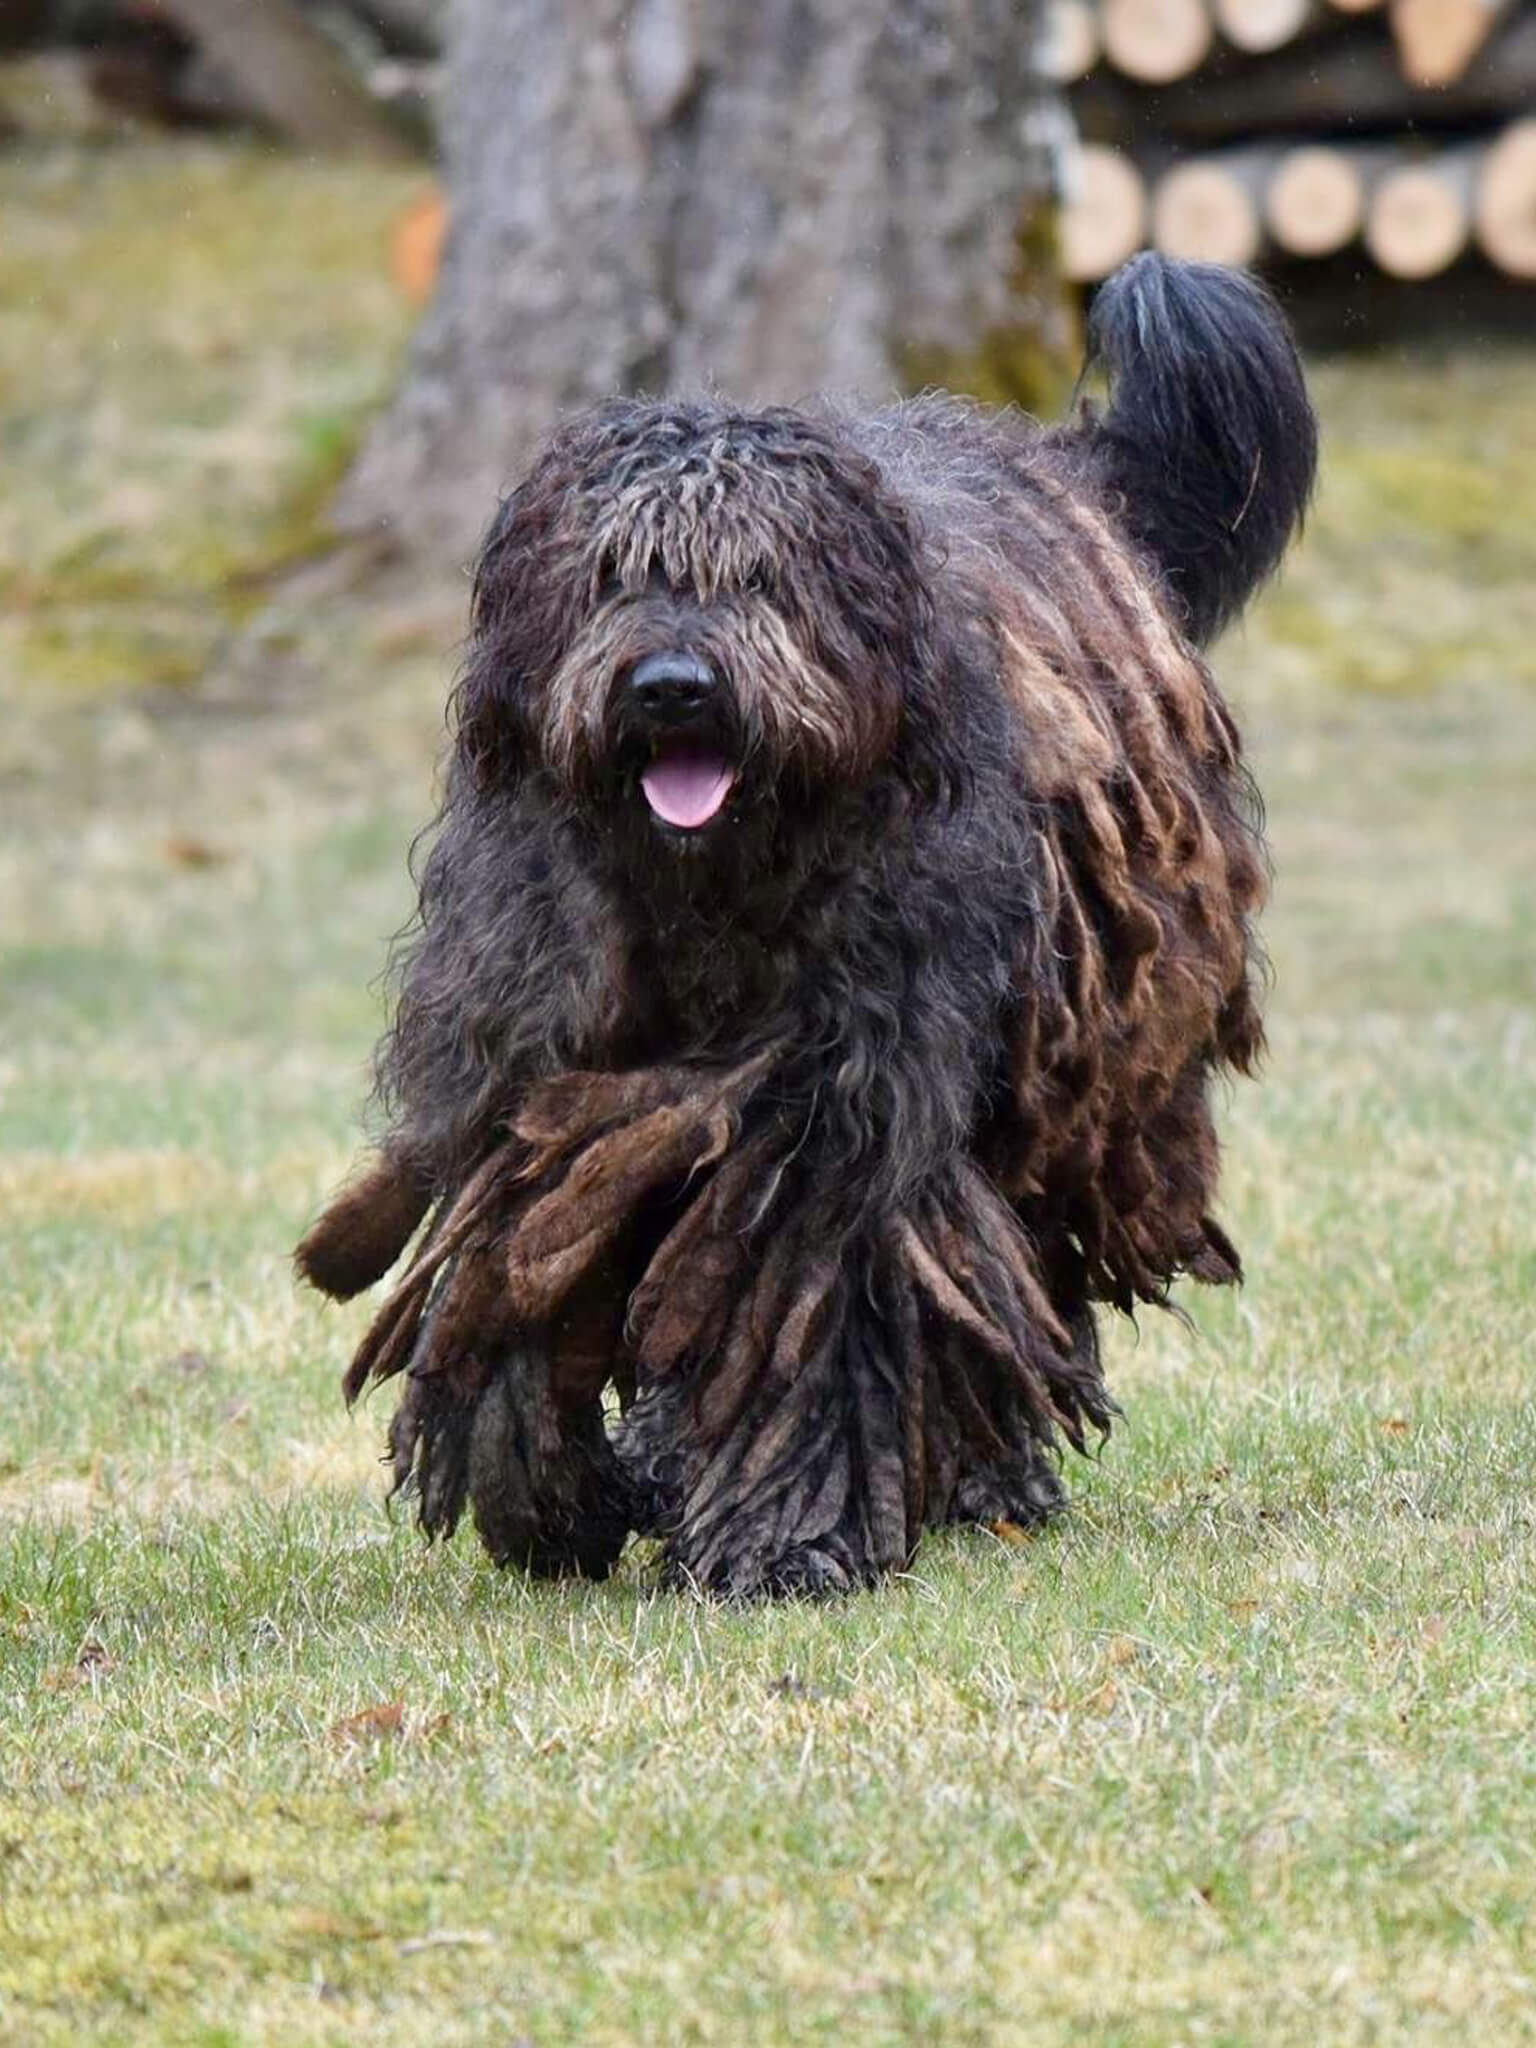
[690, 618]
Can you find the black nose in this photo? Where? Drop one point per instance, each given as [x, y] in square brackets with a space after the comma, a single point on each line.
[672, 685]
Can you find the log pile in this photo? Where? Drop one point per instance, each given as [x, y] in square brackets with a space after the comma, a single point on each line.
[1277, 131]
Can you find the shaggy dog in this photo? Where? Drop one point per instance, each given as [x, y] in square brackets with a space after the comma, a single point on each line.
[840, 906]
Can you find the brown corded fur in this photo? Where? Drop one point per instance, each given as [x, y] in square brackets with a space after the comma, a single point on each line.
[815, 1134]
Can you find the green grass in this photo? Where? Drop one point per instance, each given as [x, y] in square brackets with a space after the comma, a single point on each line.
[193, 337]
[1239, 1753]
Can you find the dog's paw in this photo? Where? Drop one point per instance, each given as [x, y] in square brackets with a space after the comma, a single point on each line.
[1023, 1491]
[803, 1571]
[810, 1572]
[557, 1509]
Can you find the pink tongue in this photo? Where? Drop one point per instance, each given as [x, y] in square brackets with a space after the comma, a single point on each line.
[687, 789]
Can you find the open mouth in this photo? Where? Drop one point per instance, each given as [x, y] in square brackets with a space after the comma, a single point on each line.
[686, 784]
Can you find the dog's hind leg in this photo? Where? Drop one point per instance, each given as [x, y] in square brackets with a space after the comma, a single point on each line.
[785, 1506]
[503, 1419]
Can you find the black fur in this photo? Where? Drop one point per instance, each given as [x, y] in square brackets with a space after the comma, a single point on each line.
[1210, 444]
[815, 1128]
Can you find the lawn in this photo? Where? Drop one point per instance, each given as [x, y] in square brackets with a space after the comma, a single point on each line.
[1240, 1752]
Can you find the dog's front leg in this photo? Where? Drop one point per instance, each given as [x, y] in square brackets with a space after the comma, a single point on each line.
[537, 1473]
[833, 1352]
[777, 1465]
[500, 1411]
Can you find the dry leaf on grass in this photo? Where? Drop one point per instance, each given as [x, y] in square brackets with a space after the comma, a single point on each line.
[384, 1723]
[371, 1724]
[187, 852]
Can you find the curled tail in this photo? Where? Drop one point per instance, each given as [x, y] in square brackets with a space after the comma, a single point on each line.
[1208, 450]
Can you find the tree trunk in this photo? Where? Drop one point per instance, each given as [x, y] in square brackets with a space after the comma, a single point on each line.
[658, 195]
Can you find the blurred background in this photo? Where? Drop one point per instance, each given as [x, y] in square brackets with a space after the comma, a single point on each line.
[280, 274]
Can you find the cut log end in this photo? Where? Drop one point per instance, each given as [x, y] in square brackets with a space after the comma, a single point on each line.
[1155, 41]
[1069, 42]
[1204, 213]
[1104, 219]
[1437, 39]
[1258, 26]
[1505, 203]
[1418, 222]
[1315, 202]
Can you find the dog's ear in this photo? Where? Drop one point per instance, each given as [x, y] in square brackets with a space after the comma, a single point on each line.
[1208, 450]
[488, 709]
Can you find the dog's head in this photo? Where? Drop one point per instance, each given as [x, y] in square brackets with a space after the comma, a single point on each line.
[688, 617]
[691, 621]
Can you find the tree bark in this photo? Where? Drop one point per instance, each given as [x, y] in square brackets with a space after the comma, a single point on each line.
[660, 195]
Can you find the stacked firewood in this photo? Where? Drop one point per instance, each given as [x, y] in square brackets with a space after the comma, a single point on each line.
[1245, 131]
